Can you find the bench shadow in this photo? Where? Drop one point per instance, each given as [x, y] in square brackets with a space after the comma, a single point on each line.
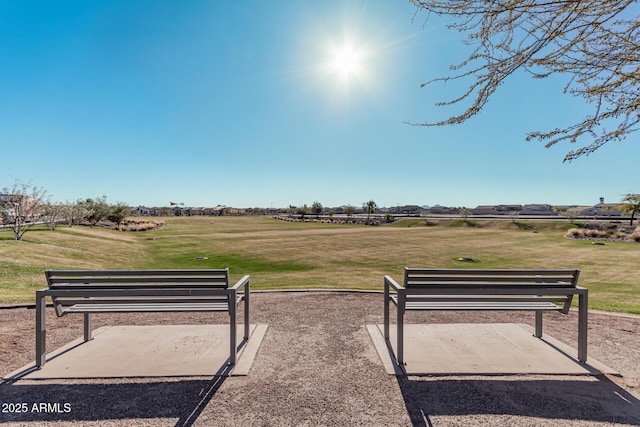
[179, 399]
[584, 398]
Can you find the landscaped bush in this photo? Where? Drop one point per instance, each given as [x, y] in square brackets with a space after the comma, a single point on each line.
[604, 231]
[596, 234]
[137, 224]
[582, 233]
[574, 233]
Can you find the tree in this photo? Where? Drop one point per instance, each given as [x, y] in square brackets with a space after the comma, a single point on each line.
[96, 210]
[164, 211]
[631, 205]
[388, 217]
[349, 210]
[74, 212]
[118, 212]
[316, 208]
[52, 213]
[464, 213]
[369, 207]
[596, 43]
[302, 211]
[570, 213]
[20, 207]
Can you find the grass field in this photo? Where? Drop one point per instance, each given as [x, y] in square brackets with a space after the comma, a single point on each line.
[281, 255]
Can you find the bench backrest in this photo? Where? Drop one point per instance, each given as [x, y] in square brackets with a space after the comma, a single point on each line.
[137, 279]
[477, 279]
[68, 288]
[529, 285]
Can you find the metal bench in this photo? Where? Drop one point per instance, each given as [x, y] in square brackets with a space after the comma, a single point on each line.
[126, 291]
[474, 289]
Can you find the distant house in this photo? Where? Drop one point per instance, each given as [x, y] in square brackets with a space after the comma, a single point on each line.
[10, 203]
[235, 211]
[193, 211]
[508, 209]
[219, 210]
[604, 210]
[496, 209]
[225, 210]
[546, 210]
[4, 198]
[410, 210]
[141, 211]
[442, 210]
[484, 210]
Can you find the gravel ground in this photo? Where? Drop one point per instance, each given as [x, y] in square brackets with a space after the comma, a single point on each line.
[317, 366]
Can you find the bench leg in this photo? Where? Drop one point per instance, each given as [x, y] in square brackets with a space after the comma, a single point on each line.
[539, 324]
[246, 311]
[386, 310]
[233, 350]
[582, 327]
[41, 329]
[87, 327]
[400, 337]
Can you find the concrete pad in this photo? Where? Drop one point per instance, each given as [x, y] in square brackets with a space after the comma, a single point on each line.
[149, 351]
[479, 349]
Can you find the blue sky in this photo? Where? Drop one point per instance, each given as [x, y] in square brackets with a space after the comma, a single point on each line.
[244, 104]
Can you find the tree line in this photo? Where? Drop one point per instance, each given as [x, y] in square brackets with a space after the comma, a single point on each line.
[316, 209]
[24, 205]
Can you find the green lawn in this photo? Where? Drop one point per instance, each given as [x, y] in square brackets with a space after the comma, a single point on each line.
[306, 255]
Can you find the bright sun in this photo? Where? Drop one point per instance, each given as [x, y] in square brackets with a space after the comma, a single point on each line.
[346, 61]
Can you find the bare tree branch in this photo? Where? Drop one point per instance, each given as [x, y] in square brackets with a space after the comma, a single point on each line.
[595, 42]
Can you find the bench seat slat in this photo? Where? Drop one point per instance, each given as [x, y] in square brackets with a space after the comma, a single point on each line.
[506, 302]
[122, 287]
[68, 301]
[482, 305]
[149, 307]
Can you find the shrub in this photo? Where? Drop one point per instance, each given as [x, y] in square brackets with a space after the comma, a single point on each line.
[597, 234]
[574, 233]
[581, 233]
[136, 224]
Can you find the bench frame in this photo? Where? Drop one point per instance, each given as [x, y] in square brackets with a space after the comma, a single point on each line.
[150, 291]
[476, 289]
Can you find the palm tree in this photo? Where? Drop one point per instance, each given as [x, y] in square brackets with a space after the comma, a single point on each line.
[631, 205]
[369, 207]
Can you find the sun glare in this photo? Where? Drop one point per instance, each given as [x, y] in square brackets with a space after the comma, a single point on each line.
[346, 61]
